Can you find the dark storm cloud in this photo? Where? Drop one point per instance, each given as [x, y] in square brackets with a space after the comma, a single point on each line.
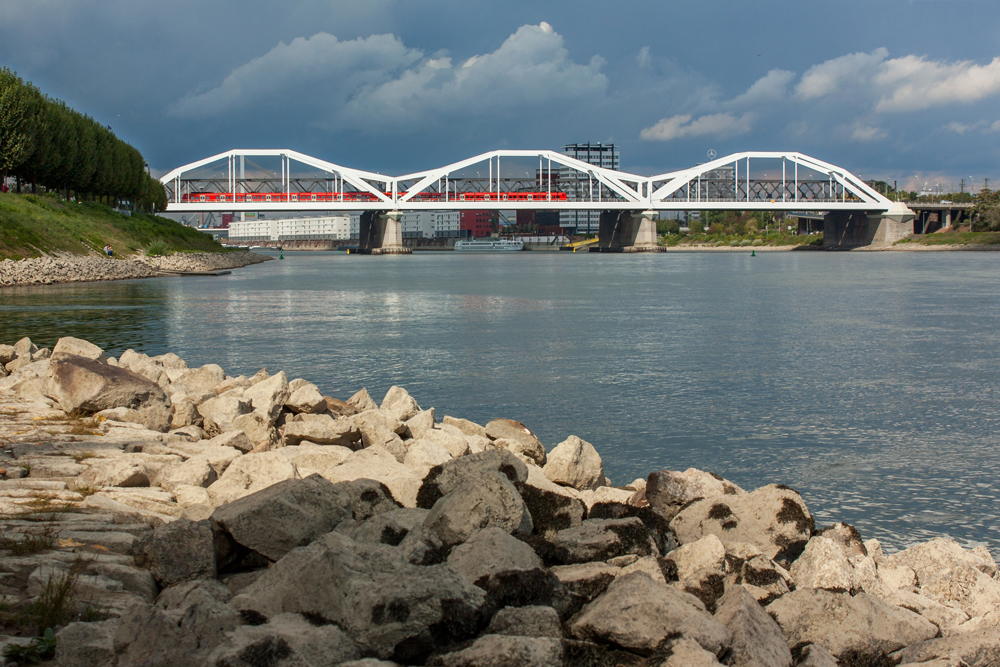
[398, 86]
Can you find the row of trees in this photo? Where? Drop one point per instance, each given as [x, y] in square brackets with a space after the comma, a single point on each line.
[43, 142]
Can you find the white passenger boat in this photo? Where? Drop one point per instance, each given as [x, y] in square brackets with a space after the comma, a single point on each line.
[488, 245]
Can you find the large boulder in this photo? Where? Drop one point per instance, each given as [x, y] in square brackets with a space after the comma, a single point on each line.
[309, 458]
[204, 379]
[178, 551]
[269, 396]
[949, 573]
[286, 639]
[362, 401]
[382, 430]
[425, 454]
[248, 474]
[639, 613]
[376, 463]
[773, 517]
[518, 437]
[489, 551]
[668, 490]
[444, 478]
[398, 404]
[553, 507]
[80, 348]
[465, 426]
[81, 384]
[859, 629]
[757, 639]
[575, 462]
[531, 621]
[599, 539]
[980, 648]
[86, 644]
[823, 564]
[322, 430]
[306, 399]
[219, 413]
[289, 514]
[488, 501]
[392, 608]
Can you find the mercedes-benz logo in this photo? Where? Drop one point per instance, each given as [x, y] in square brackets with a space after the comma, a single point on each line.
[711, 154]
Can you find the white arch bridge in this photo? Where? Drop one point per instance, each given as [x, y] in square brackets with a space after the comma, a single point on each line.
[286, 180]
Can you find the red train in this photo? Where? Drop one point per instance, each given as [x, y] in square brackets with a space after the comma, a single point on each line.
[281, 197]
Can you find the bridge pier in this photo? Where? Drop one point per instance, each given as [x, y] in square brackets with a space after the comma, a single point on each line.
[381, 233]
[627, 231]
[854, 229]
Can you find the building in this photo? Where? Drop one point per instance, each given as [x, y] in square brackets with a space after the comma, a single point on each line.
[446, 224]
[577, 185]
[417, 224]
[331, 227]
[477, 224]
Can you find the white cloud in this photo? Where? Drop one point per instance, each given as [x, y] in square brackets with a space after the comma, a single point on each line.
[377, 81]
[918, 83]
[995, 127]
[644, 59]
[834, 75]
[866, 133]
[720, 125]
[771, 87]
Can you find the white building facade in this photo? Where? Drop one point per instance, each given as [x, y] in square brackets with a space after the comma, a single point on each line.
[331, 227]
[577, 186]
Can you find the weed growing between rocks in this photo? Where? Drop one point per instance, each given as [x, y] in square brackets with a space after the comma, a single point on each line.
[40, 648]
[30, 542]
[158, 248]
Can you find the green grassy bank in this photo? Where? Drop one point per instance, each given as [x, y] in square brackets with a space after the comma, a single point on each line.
[955, 238]
[740, 240]
[32, 225]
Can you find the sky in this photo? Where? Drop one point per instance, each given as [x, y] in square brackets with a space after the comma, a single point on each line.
[905, 90]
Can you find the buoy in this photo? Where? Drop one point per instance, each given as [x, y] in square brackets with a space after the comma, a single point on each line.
[281, 255]
[753, 253]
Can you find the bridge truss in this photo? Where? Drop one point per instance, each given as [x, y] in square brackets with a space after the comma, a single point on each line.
[286, 180]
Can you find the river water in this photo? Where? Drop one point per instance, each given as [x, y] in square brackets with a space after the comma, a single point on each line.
[867, 381]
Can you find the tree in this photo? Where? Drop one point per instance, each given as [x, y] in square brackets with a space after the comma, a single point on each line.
[16, 122]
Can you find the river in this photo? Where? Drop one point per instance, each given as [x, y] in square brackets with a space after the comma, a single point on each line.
[867, 381]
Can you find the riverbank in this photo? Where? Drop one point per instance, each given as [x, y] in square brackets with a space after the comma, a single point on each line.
[191, 517]
[69, 268]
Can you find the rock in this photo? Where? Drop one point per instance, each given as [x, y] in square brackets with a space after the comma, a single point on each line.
[133, 579]
[823, 564]
[390, 527]
[514, 431]
[339, 408]
[81, 348]
[24, 347]
[448, 476]
[849, 539]
[286, 639]
[651, 566]
[248, 474]
[708, 553]
[527, 622]
[489, 551]
[640, 614]
[382, 430]
[368, 498]
[362, 401]
[81, 384]
[203, 380]
[86, 644]
[813, 655]
[601, 539]
[586, 580]
[306, 398]
[309, 458]
[196, 471]
[668, 490]
[238, 440]
[259, 429]
[123, 472]
[773, 517]
[688, 653]
[420, 423]
[762, 577]
[398, 404]
[377, 463]
[575, 462]
[949, 573]
[553, 507]
[323, 430]
[465, 426]
[425, 454]
[289, 514]
[7, 354]
[854, 629]
[757, 639]
[656, 523]
[947, 618]
[897, 576]
[509, 651]
[184, 414]
[393, 609]
[489, 501]
[220, 413]
[269, 396]
[980, 648]
[188, 496]
[456, 443]
[178, 551]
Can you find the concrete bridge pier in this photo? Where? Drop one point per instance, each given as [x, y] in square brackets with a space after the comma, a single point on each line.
[381, 234]
[627, 231]
[854, 229]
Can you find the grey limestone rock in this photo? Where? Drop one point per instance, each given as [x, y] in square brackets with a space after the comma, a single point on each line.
[79, 347]
[575, 463]
[489, 501]
[489, 551]
[601, 539]
[322, 430]
[81, 384]
[757, 639]
[980, 648]
[516, 432]
[532, 621]
[178, 551]
[286, 639]
[86, 644]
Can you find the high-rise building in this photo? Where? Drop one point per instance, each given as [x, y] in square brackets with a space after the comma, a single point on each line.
[577, 186]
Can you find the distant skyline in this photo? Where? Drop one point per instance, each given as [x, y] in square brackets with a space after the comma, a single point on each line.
[901, 90]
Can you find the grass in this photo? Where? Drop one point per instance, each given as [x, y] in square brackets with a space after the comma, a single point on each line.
[33, 225]
[744, 240]
[30, 542]
[955, 238]
[158, 248]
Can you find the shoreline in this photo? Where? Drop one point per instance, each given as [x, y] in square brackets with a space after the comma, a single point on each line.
[67, 268]
[211, 517]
